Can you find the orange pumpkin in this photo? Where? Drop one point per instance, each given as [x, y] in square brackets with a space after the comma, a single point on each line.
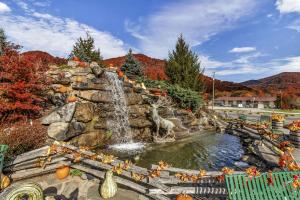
[82, 64]
[184, 197]
[120, 74]
[62, 89]
[157, 93]
[71, 99]
[76, 59]
[79, 79]
[62, 172]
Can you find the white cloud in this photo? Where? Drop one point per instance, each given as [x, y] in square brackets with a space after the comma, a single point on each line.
[289, 64]
[248, 69]
[248, 58]
[4, 8]
[43, 3]
[197, 20]
[295, 25]
[209, 63]
[242, 49]
[42, 31]
[288, 6]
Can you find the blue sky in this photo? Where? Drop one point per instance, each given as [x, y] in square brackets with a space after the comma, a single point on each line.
[237, 39]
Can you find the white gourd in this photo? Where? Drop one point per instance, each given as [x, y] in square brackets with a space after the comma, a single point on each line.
[109, 187]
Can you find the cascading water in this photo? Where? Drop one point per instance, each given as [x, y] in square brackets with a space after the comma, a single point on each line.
[119, 124]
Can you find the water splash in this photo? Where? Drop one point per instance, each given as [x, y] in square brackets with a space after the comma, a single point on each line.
[119, 124]
[132, 146]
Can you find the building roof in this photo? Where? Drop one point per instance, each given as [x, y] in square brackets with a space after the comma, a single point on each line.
[272, 99]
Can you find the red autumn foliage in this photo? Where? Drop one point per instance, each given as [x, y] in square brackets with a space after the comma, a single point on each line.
[153, 68]
[44, 58]
[22, 136]
[22, 80]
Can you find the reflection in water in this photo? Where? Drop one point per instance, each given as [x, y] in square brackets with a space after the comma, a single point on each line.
[208, 151]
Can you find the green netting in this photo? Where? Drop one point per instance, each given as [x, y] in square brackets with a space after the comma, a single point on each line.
[3, 149]
[276, 131]
[240, 186]
[243, 117]
[265, 118]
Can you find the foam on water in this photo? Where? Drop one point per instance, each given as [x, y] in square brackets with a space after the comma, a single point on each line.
[132, 146]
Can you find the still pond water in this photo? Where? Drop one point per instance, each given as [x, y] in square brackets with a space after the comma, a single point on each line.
[210, 151]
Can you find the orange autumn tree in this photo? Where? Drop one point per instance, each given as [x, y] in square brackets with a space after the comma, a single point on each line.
[21, 85]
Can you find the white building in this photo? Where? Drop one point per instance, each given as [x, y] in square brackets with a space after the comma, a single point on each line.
[250, 102]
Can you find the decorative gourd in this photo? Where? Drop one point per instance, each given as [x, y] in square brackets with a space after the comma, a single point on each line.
[71, 99]
[79, 79]
[109, 187]
[184, 197]
[62, 89]
[5, 181]
[62, 172]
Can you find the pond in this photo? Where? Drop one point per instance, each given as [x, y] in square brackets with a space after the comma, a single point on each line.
[210, 151]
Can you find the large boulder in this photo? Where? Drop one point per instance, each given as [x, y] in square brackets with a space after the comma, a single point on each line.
[86, 94]
[58, 131]
[58, 99]
[136, 111]
[133, 98]
[62, 114]
[96, 69]
[101, 97]
[84, 112]
[91, 139]
[62, 81]
[165, 112]
[89, 85]
[141, 134]
[75, 129]
[101, 124]
[72, 63]
[140, 123]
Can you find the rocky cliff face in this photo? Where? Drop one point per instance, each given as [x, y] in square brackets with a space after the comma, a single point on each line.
[85, 113]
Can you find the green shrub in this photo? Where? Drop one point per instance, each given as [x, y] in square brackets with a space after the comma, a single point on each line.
[131, 67]
[185, 98]
[64, 66]
[183, 67]
[85, 50]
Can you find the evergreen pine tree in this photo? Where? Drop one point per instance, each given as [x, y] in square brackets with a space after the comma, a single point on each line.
[131, 67]
[3, 41]
[84, 49]
[183, 67]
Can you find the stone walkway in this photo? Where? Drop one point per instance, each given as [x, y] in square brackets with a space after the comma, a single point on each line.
[77, 188]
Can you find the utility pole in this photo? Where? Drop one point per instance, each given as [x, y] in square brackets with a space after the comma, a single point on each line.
[280, 99]
[213, 91]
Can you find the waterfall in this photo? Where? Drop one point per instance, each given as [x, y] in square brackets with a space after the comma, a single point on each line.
[119, 124]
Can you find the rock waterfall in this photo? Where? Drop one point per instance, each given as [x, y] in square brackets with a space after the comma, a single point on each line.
[119, 123]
